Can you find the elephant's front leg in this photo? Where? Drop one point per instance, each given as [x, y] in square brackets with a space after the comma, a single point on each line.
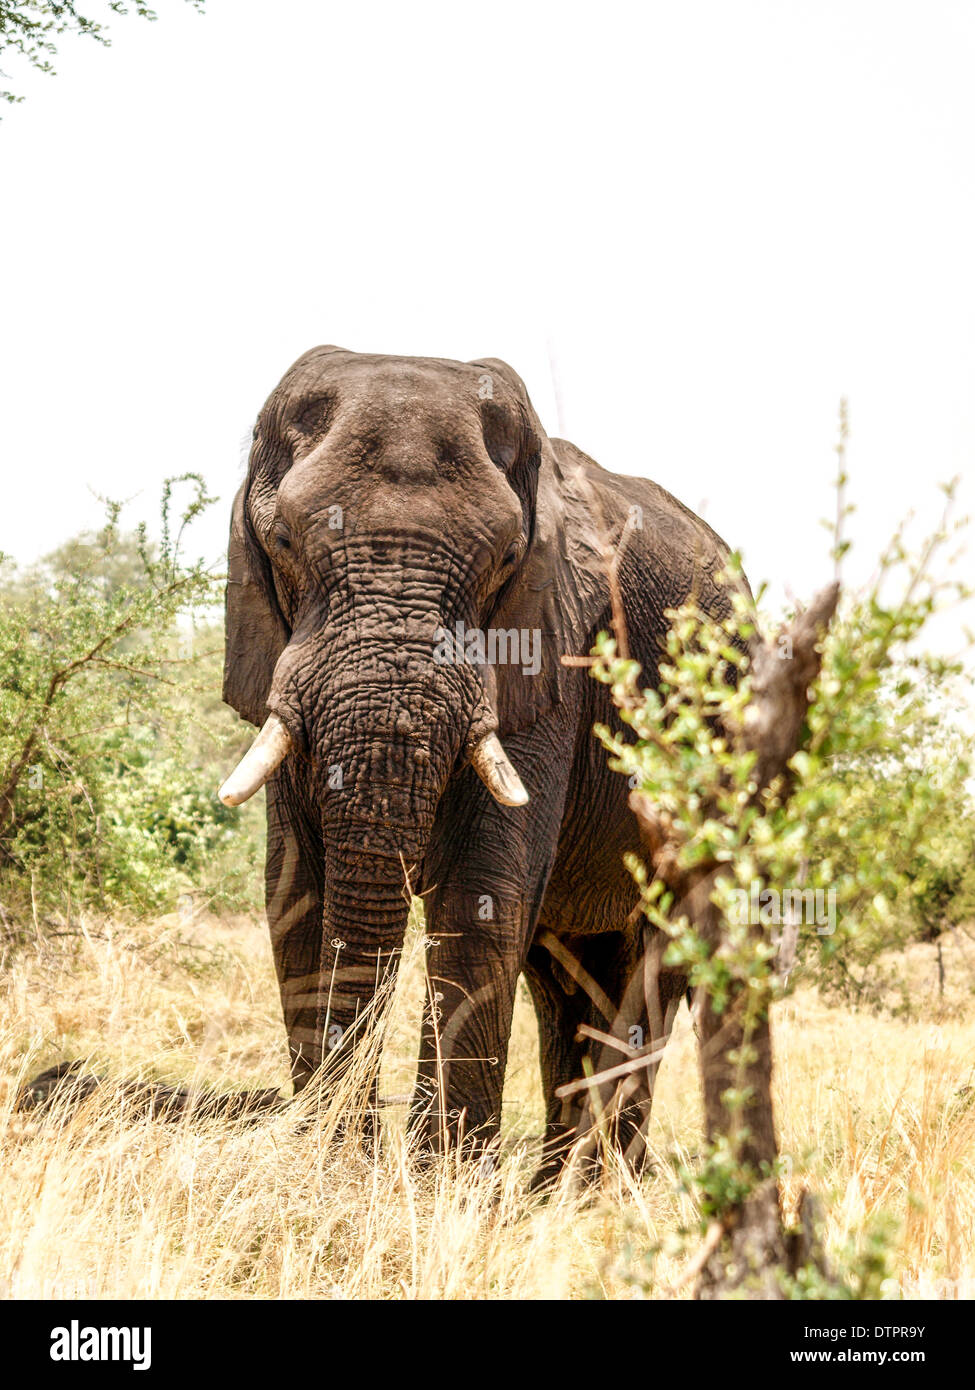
[472, 964]
[294, 887]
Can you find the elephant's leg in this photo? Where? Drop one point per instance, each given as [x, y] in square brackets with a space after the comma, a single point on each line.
[472, 970]
[484, 880]
[611, 985]
[294, 885]
[572, 982]
[560, 1007]
[648, 995]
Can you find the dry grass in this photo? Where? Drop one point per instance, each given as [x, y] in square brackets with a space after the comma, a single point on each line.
[878, 1114]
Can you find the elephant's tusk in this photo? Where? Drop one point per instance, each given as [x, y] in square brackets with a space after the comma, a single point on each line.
[490, 762]
[268, 751]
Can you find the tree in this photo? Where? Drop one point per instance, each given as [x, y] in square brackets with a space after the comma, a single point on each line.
[29, 27]
[105, 791]
[745, 767]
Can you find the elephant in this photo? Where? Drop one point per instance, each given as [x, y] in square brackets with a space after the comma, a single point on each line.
[411, 557]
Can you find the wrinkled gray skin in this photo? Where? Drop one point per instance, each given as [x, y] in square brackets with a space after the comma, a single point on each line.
[455, 506]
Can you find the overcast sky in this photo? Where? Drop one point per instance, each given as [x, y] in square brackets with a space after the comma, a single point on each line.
[705, 222]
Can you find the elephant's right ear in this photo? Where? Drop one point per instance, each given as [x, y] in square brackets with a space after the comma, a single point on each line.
[255, 632]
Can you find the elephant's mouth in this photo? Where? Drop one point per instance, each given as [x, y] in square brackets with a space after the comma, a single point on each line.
[274, 743]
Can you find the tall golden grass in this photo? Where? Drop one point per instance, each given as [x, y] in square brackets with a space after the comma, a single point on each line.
[878, 1115]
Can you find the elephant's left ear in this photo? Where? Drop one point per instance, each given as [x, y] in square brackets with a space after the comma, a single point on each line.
[255, 632]
[513, 432]
[553, 603]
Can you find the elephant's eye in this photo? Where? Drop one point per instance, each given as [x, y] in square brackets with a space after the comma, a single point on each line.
[282, 541]
[510, 556]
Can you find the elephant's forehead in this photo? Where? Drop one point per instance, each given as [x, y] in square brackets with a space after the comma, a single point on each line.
[389, 483]
[365, 432]
[403, 410]
[374, 383]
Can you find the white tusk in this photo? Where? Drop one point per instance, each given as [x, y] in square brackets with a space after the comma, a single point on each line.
[268, 751]
[490, 762]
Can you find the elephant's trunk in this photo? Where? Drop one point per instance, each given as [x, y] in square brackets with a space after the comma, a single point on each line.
[366, 908]
[382, 769]
[382, 738]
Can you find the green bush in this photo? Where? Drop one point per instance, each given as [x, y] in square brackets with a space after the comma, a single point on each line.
[879, 813]
[112, 734]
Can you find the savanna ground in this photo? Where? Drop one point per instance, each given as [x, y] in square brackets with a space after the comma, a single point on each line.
[876, 1112]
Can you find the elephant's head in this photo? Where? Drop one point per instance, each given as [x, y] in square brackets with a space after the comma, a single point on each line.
[387, 500]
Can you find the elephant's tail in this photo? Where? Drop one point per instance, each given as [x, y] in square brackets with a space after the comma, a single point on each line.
[67, 1084]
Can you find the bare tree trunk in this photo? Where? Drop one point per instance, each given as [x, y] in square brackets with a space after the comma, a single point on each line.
[941, 968]
[735, 1056]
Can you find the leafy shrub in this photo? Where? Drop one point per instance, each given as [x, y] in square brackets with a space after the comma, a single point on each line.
[112, 735]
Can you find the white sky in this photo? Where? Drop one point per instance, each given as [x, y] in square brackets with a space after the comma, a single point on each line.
[715, 219]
